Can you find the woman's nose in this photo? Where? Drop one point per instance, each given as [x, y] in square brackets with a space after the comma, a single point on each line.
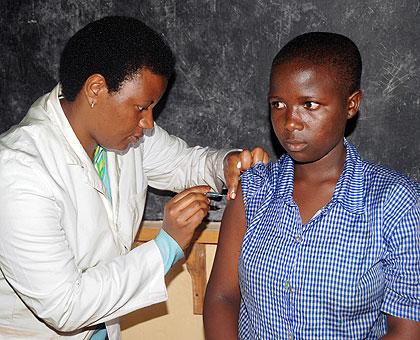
[147, 122]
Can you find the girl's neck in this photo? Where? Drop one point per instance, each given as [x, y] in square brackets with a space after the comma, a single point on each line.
[328, 168]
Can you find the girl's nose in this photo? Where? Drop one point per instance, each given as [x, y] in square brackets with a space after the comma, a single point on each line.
[293, 120]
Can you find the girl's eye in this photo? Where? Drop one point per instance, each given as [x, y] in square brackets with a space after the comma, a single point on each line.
[311, 105]
[277, 105]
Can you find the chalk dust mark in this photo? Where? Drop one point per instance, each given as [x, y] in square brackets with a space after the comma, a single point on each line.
[213, 6]
[190, 81]
[396, 71]
[33, 21]
[285, 15]
[170, 14]
[358, 15]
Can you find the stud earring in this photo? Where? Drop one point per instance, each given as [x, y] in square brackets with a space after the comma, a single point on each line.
[92, 105]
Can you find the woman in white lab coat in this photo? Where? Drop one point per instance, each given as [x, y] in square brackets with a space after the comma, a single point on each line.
[74, 175]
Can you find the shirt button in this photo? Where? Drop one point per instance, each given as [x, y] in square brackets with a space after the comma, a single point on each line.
[290, 336]
[298, 238]
[289, 287]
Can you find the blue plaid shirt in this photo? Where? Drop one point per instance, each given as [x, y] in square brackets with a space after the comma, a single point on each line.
[336, 276]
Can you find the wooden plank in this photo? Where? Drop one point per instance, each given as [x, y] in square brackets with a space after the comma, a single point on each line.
[196, 266]
[207, 233]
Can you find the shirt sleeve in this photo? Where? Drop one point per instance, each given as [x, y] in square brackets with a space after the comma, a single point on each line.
[402, 267]
[170, 164]
[169, 249]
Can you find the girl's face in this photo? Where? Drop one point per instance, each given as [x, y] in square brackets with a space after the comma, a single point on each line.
[309, 110]
[123, 115]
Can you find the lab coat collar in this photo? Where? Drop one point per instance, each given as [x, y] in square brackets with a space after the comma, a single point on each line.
[77, 155]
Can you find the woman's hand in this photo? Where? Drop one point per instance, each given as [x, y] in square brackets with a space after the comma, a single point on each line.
[184, 213]
[237, 162]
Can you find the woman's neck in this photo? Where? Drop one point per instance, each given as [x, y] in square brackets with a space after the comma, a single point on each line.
[79, 124]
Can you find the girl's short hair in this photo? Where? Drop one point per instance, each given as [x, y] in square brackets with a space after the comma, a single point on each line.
[328, 49]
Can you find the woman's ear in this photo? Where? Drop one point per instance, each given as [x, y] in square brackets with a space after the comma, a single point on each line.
[353, 103]
[94, 86]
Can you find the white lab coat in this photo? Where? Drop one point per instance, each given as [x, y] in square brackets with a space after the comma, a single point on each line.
[65, 256]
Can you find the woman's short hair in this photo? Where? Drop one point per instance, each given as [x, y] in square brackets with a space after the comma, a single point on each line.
[116, 47]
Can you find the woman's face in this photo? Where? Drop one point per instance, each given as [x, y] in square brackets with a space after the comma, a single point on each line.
[308, 110]
[122, 116]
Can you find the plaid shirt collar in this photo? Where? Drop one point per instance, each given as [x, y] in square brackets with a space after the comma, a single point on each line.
[349, 191]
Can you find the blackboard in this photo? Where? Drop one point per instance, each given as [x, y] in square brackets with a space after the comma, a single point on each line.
[224, 50]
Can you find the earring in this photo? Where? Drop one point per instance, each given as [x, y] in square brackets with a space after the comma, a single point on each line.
[92, 105]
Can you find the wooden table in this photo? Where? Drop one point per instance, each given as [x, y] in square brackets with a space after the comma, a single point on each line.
[207, 233]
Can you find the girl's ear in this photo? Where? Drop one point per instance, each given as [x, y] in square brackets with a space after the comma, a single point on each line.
[353, 104]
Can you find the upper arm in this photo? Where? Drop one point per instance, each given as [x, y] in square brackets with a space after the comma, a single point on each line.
[224, 281]
[169, 163]
[401, 329]
[402, 269]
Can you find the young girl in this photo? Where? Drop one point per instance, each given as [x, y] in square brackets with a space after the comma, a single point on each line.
[322, 245]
